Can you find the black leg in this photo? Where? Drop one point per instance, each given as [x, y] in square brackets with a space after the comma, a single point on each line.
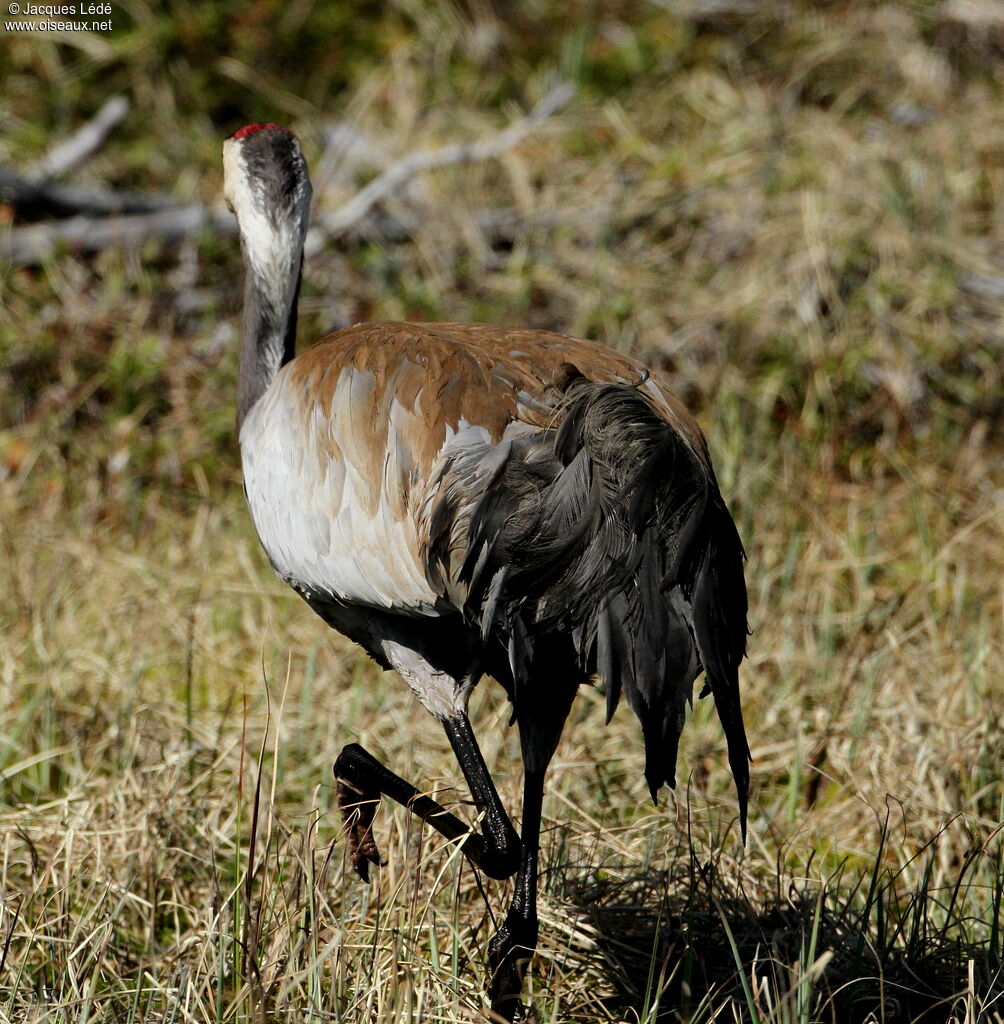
[496, 825]
[362, 780]
[513, 945]
[541, 716]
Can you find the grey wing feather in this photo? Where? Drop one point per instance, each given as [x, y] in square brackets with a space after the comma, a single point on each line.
[608, 528]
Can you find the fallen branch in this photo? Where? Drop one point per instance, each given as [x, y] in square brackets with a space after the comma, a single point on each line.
[36, 243]
[72, 152]
[41, 198]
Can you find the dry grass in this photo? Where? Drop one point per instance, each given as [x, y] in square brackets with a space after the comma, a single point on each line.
[797, 211]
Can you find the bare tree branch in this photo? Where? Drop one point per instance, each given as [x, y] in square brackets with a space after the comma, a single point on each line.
[69, 154]
[44, 198]
[36, 243]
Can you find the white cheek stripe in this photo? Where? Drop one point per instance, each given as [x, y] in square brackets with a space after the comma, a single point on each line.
[273, 250]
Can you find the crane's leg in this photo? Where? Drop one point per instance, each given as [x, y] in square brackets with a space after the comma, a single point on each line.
[362, 780]
[512, 947]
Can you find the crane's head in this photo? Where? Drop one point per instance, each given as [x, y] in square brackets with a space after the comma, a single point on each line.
[265, 184]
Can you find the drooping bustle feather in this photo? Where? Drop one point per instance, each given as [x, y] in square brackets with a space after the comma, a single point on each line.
[609, 528]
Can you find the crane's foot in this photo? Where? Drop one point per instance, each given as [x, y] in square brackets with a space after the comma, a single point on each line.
[509, 954]
[358, 809]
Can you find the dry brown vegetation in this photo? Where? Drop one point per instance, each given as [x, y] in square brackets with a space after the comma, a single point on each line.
[795, 209]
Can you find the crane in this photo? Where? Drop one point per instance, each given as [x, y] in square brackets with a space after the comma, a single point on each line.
[464, 500]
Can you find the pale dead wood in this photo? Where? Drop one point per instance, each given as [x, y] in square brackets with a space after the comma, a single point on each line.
[36, 243]
[76, 150]
[39, 198]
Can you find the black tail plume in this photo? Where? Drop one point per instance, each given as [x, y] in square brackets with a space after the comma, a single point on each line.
[610, 529]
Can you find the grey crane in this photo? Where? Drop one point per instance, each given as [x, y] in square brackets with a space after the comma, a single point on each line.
[465, 500]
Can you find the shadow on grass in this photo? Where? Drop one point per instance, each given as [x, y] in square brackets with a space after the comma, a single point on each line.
[690, 946]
